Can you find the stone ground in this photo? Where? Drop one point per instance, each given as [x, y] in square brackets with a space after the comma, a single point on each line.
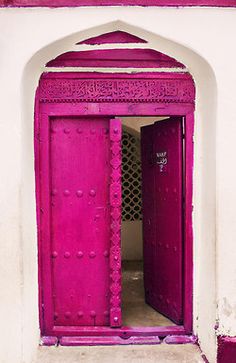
[162, 353]
[135, 313]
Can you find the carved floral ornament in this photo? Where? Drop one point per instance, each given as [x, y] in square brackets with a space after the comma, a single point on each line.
[117, 90]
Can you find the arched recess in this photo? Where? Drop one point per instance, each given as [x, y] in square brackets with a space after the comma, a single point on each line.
[202, 170]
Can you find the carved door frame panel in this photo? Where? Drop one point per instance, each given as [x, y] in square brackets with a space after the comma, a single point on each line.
[113, 95]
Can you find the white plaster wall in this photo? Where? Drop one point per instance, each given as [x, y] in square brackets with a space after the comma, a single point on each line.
[203, 39]
[226, 200]
[132, 240]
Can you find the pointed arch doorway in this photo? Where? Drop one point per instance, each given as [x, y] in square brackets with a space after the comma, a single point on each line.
[78, 130]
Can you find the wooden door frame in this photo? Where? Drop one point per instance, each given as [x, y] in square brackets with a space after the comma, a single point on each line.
[113, 95]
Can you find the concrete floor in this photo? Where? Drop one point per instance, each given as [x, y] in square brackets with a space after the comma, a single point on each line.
[135, 312]
[162, 353]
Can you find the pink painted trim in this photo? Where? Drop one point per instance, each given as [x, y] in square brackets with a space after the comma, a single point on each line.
[121, 108]
[37, 195]
[110, 340]
[77, 3]
[112, 38]
[188, 238]
[120, 75]
[123, 58]
[45, 224]
[180, 339]
[49, 340]
[226, 349]
[123, 332]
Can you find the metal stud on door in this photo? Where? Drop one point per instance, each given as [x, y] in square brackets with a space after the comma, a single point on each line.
[115, 241]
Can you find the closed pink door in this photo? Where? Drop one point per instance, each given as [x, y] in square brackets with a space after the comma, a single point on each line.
[79, 194]
[162, 163]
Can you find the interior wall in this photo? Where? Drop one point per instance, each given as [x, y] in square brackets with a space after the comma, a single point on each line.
[134, 123]
[131, 240]
[31, 37]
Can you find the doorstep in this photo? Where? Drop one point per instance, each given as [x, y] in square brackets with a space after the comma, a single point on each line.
[161, 353]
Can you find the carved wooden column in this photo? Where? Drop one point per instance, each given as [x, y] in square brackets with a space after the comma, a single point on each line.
[115, 205]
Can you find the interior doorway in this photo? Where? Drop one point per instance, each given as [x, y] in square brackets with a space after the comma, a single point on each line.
[146, 245]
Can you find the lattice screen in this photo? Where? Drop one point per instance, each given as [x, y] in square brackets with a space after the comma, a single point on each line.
[131, 177]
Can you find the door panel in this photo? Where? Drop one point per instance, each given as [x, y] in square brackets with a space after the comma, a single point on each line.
[79, 173]
[79, 157]
[162, 161]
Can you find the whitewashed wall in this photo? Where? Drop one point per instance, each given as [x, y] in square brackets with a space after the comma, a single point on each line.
[203, 39]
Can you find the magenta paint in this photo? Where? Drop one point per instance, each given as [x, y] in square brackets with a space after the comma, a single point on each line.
[75, 196]
[79, 214]
[49, 341]
[117, 36]
[162, 190]
[76, 3]
[123, 58]
[226, 349]
[115, 201]
[188, 222]
[176, 89]
[109, 340]
[124, 332]
[78, 97]
[180, 339]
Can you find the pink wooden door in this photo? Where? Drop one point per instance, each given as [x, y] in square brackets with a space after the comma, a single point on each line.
[81, 201]
[162, 163]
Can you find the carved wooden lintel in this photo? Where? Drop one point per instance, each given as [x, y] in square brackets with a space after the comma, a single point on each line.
[117, 90]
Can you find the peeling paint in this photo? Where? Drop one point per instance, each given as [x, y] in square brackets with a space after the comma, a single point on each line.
[227, 308]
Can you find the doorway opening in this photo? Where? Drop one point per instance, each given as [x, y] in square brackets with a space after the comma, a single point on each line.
[79, 206]
[137, 308]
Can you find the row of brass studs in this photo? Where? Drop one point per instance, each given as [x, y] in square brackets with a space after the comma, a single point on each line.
[67, 130]
[79, 193]
[80, 314]
[79, 254]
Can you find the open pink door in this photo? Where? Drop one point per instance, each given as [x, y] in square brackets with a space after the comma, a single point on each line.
[80, 205]
[162, 180]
